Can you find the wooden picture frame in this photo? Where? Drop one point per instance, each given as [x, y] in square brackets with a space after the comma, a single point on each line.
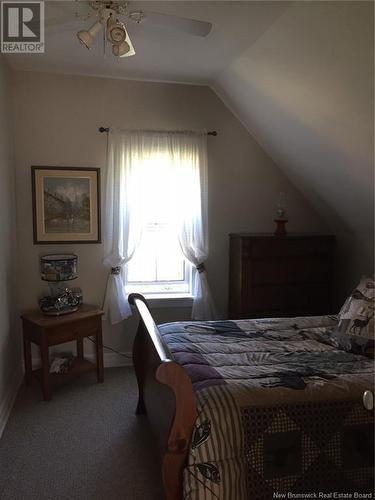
[66, 205]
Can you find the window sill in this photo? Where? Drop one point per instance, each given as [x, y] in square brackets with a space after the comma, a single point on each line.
[162, 301]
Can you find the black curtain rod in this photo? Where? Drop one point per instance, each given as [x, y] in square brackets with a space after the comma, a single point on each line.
[106, 129]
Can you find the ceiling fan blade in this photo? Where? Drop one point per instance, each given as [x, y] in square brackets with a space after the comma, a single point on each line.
[189, 26]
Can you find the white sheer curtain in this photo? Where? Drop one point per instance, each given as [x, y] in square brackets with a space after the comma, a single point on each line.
[122, 218]
[190, 168]
[131, 154]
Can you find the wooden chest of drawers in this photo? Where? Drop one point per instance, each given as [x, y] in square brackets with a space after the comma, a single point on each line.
[280, 276]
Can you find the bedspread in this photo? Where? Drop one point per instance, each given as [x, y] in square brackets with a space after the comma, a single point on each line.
[279, 409]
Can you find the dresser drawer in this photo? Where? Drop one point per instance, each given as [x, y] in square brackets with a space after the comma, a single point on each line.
[286, 270]
[288, 298]
[284, 247]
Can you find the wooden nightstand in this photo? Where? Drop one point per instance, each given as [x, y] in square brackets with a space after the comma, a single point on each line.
[46, 331]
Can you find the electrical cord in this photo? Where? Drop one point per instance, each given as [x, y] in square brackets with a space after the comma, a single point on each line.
[127, 356]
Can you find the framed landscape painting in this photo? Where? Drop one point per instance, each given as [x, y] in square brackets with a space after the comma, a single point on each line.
[66, 204]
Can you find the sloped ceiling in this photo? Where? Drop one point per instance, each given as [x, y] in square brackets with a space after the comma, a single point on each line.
[304, 90]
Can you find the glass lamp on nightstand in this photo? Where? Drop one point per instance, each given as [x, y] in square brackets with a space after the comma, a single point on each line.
[56, 269]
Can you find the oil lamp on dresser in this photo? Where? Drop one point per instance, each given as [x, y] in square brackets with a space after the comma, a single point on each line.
[281, 215]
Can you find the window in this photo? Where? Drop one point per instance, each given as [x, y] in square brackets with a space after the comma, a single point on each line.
[158, 267]
[155, 215]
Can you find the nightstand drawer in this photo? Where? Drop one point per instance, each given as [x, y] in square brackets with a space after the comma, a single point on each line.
[70, 331]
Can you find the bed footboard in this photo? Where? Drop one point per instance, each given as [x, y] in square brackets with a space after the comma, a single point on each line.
[166, 395]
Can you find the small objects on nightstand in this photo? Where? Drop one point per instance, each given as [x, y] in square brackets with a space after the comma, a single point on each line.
[77, 293]
[61, 365]
[68, 301]
[281, 215]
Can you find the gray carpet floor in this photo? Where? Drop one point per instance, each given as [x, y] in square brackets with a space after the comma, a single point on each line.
[84, 444]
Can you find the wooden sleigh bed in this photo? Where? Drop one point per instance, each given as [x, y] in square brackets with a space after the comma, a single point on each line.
[172, 399]
[166, 394]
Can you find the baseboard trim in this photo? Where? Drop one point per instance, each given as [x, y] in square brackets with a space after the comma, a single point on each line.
[111, 359]
[6, 404]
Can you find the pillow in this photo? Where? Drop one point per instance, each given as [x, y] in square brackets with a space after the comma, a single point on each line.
[352, 343]
[357, 314]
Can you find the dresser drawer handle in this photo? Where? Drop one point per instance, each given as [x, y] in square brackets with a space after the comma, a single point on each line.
[368, 400]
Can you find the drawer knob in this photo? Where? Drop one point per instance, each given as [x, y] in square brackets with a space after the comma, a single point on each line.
[368, 400]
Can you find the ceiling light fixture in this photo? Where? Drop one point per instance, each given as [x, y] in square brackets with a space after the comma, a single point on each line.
[125, 45]
[87, 37]
[120, 50]
[108, 15]
[116, 32]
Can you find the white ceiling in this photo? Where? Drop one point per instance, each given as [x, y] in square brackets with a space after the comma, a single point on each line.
[161, 53]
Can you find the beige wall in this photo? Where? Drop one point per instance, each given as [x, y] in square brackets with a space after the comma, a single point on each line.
[10, 355]
[56, 121]
[305, 90]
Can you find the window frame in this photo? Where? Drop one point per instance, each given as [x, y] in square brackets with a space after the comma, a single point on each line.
[137, 286]
[163, 297]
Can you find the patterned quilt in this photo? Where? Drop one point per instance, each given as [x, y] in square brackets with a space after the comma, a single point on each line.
[280, 409]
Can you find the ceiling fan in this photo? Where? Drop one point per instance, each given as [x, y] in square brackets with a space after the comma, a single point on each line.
[111, 17]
